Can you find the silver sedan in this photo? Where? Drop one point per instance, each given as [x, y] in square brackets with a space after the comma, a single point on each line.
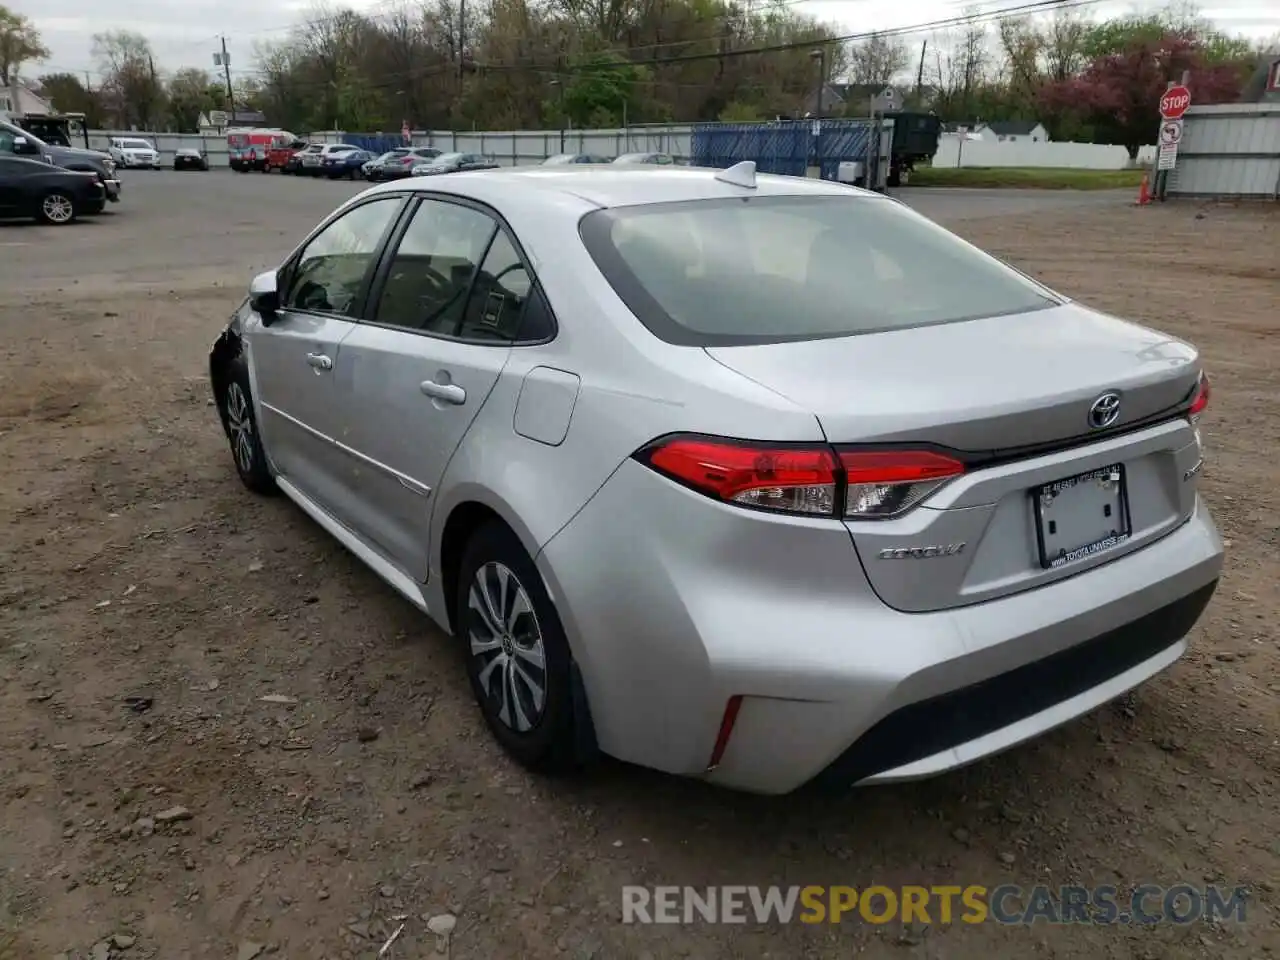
[753, 479]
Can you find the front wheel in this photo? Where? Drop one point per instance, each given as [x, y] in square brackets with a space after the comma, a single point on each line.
[57, 208]
[242, 430]
[518, 659]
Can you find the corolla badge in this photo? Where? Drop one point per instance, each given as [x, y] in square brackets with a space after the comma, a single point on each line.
[1105, 411]
[922, 553]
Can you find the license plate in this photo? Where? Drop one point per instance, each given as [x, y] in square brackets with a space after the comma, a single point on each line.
[1081, 516]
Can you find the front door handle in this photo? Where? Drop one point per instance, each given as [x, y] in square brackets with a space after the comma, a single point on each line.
[447, 392]
[319, 361]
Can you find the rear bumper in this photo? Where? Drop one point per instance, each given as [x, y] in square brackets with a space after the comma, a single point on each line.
[691, 603]
[113, 189]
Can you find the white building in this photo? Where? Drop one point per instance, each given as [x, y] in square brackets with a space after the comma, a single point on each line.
[1010, 131]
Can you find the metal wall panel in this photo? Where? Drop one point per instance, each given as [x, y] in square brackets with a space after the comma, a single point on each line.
[1232, 150]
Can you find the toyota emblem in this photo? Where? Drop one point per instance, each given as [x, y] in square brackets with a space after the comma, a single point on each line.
[1105, 411]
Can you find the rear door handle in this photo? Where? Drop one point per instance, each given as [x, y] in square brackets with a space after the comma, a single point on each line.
[319, 361]
[446, 392]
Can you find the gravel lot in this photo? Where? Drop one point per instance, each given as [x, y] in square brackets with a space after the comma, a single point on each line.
[204, 821]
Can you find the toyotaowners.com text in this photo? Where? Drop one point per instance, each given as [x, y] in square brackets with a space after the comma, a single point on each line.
[1004, 904]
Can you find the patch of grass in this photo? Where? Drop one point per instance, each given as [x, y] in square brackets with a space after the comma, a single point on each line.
[1037, 178]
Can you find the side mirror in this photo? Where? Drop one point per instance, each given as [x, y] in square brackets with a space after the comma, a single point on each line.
[264, 296]
[24, 147]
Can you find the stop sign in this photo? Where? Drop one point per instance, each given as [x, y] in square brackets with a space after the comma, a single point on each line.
[1174, 103]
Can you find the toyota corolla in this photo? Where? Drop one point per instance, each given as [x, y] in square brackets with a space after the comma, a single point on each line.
[755, 479]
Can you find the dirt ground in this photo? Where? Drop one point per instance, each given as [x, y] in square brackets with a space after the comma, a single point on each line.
[149, 604]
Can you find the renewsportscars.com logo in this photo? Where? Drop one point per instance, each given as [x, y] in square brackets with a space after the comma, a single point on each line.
[1004, 904]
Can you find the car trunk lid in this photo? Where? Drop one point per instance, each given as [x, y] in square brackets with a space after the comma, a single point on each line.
[1012, 396]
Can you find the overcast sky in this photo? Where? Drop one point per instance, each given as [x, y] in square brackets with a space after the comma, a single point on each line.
[187, 33]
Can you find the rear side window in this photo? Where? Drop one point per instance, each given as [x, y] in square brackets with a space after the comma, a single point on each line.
[431, 271]
[772, 269]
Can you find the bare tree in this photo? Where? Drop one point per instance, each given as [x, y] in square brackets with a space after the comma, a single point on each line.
[19, 44]
[131, 90]
[877, 60]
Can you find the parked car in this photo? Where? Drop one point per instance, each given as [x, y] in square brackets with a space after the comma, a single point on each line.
[33, 188]
[16, 141]
[561, 158]
[345, 163]
[312, 162]
[398, 163]
[294, 162]
[134, 152]
[658, 159]
[647, 491]
[281, 153]
[452, 163]
[190, 158]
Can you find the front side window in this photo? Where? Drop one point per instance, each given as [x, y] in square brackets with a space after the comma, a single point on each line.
[432, 269]
[330, 272]
[772, 269]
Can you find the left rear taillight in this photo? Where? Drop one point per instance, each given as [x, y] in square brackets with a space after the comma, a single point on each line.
[1199, 400]
[801, 479]
[768, 476]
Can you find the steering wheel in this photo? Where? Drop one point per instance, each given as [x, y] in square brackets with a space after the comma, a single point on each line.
[510, 268]
[312, 296]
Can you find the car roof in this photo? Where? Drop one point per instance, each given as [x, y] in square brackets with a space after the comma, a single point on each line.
[616, 185]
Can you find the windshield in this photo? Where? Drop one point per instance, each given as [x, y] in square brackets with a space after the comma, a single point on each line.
[135, 144]
[770, 269]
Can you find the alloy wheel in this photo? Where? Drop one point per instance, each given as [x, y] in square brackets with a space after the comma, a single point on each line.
[58, 208]
[240, 423]
[506, 639]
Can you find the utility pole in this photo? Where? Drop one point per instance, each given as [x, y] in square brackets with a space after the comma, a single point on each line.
[226, 72]
[924, 46]
[152, 96]
[462, 38]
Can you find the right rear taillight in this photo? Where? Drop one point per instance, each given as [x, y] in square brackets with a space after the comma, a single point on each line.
[885, 483]
[809, 480]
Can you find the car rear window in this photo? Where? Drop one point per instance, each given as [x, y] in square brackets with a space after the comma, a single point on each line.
[771, 269]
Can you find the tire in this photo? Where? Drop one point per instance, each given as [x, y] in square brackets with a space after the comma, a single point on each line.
[539, 739]
[236, 402]
[266, 168]
[56, 208]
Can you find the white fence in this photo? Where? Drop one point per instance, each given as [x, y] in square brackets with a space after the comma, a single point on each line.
[507, 147]
[954, 152]
[519, 147]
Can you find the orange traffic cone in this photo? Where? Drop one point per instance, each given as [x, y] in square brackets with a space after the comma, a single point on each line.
[1144, 191]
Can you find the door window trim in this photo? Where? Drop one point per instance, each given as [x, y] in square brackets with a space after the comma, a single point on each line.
[378, 279]
[284, 274]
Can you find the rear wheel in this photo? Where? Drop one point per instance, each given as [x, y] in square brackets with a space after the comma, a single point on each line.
[57, 208]
[518, 659]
